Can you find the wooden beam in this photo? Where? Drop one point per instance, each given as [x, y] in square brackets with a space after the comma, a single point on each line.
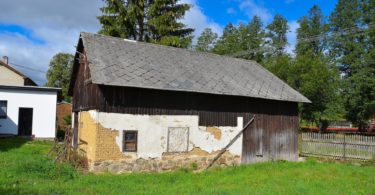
[222, 151]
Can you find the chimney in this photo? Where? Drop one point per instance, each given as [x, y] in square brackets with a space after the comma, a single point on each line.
[5, 59]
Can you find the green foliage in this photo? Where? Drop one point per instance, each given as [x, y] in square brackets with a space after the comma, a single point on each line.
[228, 42]
[244, 41]
[347, 46]
[353, 52]
[313, 74]
[206, 40]
[25, 170]
[280, 65]
[360, 96]
[164, 26]
[59, 71]
[277, 33]
[252, 40]
[155, 21]
[68, 119]
[313, 77]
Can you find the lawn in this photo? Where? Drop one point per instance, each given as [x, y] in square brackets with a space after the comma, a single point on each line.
[25, 169]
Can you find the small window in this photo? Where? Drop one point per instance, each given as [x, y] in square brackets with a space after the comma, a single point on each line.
[130, 141]
[3, 109]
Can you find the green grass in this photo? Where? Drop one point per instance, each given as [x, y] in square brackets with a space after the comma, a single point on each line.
[24, 169]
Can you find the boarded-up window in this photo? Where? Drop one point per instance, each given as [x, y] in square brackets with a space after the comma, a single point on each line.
[178, 139]
[130, 141]
[3, 109]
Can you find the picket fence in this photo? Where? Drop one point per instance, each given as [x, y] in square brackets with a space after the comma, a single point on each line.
[338, 145]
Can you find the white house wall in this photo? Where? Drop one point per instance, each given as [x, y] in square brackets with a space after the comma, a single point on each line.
[153, 132]
[44, 111]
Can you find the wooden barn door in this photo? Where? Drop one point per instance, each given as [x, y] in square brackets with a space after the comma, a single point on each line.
[252, 147]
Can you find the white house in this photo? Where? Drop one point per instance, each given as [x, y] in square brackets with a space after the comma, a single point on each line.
[28, 111]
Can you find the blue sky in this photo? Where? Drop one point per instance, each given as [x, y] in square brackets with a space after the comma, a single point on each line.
[31, 32]
[225, 11]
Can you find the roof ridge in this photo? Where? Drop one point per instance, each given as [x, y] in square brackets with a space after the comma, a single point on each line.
[175, 48]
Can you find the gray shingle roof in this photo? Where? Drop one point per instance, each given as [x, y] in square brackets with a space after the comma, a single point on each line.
[118, 62]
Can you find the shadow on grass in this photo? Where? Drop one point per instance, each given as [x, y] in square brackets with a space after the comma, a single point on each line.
[11, 143]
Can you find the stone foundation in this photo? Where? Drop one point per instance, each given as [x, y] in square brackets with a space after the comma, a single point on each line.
[169, 162]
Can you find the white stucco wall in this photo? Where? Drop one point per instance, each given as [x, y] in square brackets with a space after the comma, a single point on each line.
[153, 132]
[44, 111]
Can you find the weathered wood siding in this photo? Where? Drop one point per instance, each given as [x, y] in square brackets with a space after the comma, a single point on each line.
[271, 137]
[86, 95]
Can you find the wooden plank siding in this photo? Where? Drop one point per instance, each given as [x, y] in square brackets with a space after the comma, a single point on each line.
[272, 136]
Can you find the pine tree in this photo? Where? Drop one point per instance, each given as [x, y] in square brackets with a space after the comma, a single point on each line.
[146, 20]
[347, 43]
[206, 41]
[277, 60]
[244, 41]
[277, 31]
[228, 42]
[164, 27]
[115, 21]
[311, 33]
[360, 83]
[251, 39]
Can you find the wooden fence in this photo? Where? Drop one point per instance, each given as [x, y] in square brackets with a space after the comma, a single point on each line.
[338, 145]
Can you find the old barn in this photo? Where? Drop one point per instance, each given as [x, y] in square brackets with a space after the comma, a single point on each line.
[145, 107]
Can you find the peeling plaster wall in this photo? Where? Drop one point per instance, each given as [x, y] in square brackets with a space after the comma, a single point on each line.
[153, 133]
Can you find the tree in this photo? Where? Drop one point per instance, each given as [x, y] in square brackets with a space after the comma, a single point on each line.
[228, 42]
[311, 32]
[244, 41]
[206, 41]
[277, 60]
[347, 43]
[280, 66]
[277, 31]
[116, 20]
[154, 21]
[58, 74]
[251, 40]
[313, 74]
[164, 26]
[360, 81]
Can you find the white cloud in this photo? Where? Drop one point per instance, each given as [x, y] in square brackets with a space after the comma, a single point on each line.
[56, 23]
[252, 8]
[292, 36]
[195, 18]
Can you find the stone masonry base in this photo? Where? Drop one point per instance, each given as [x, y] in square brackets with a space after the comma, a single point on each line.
[166, 163]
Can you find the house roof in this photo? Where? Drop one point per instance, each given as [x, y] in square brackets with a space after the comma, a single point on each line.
[30, 88]
[120, 62]
[17, 72]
